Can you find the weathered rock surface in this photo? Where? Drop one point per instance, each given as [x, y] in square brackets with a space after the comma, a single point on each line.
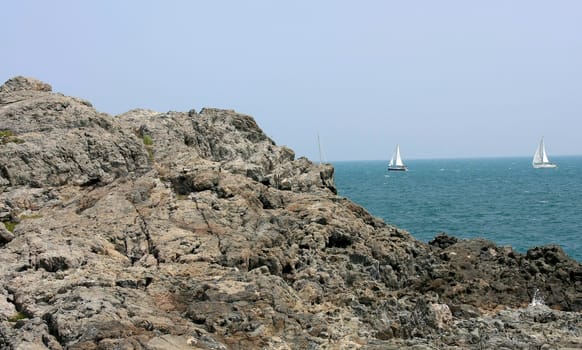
[56, 140]
[186, 230]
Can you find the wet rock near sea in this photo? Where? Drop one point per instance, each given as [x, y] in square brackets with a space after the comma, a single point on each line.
[194, 230]
[479, 273]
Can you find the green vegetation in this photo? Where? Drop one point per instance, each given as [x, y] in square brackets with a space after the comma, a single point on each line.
[7, 136]
[34, 216]
[150, 153]
[6, 133]
[10, 225]
[17, 316]
[147, 140]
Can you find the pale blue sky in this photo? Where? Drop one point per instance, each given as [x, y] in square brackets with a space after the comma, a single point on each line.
[442, 78]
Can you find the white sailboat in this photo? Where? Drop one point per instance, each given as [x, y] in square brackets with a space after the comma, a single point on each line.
[396, 163]
[540, 158]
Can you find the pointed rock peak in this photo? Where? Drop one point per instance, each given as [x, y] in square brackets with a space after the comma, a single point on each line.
[20, 83]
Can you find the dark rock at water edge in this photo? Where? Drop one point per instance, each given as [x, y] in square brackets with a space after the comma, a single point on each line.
[194, 230]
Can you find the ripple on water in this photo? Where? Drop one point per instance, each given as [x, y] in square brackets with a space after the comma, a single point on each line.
[503, 200]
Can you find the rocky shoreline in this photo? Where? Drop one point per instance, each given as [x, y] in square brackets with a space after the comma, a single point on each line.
[194, 230]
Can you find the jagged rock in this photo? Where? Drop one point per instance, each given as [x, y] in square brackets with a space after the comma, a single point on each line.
[443, 241]
[24, 83]
[7, 309]
[195, 230]
[57, 140]
[479, 273]
[5, 235]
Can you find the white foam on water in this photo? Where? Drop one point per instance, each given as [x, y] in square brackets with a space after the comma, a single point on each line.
[537, 299]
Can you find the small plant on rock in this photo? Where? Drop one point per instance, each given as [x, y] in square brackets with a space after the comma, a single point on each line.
[16, 317]
[7, 136]
[147, 140]
[10, 225]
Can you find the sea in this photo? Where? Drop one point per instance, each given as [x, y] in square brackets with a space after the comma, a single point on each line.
[504, 200]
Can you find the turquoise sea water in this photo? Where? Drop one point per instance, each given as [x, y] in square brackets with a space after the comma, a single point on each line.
[503, 200]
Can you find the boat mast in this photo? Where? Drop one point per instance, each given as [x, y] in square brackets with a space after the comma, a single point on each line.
[320, 152]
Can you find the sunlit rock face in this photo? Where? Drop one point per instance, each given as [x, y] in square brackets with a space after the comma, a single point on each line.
[194, 230]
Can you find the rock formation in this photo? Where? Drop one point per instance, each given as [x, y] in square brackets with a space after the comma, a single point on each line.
[187, 230]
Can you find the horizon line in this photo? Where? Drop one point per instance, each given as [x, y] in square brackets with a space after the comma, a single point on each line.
[453, 158]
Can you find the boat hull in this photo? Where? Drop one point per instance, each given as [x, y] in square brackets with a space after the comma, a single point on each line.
[397, 168]
[544, 165]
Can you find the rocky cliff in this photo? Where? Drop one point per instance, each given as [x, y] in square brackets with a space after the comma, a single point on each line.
[194, 230]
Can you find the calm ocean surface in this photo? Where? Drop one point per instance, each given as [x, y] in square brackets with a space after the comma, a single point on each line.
[503, 200]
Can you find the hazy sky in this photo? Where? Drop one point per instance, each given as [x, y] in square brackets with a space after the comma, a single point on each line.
[442, 78]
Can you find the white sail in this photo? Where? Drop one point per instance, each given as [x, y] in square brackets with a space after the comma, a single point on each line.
[544, 153]
[396, 161]
[540, 158]
[537, 159]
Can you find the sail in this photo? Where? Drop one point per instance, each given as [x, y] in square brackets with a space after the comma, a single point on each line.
[544, 153]
[537, 159]
[398, 159]
[540, 158]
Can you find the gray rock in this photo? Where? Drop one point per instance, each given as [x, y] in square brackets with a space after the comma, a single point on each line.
[55, 140]
[195, 230]
[5, 235]
[21, 83]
